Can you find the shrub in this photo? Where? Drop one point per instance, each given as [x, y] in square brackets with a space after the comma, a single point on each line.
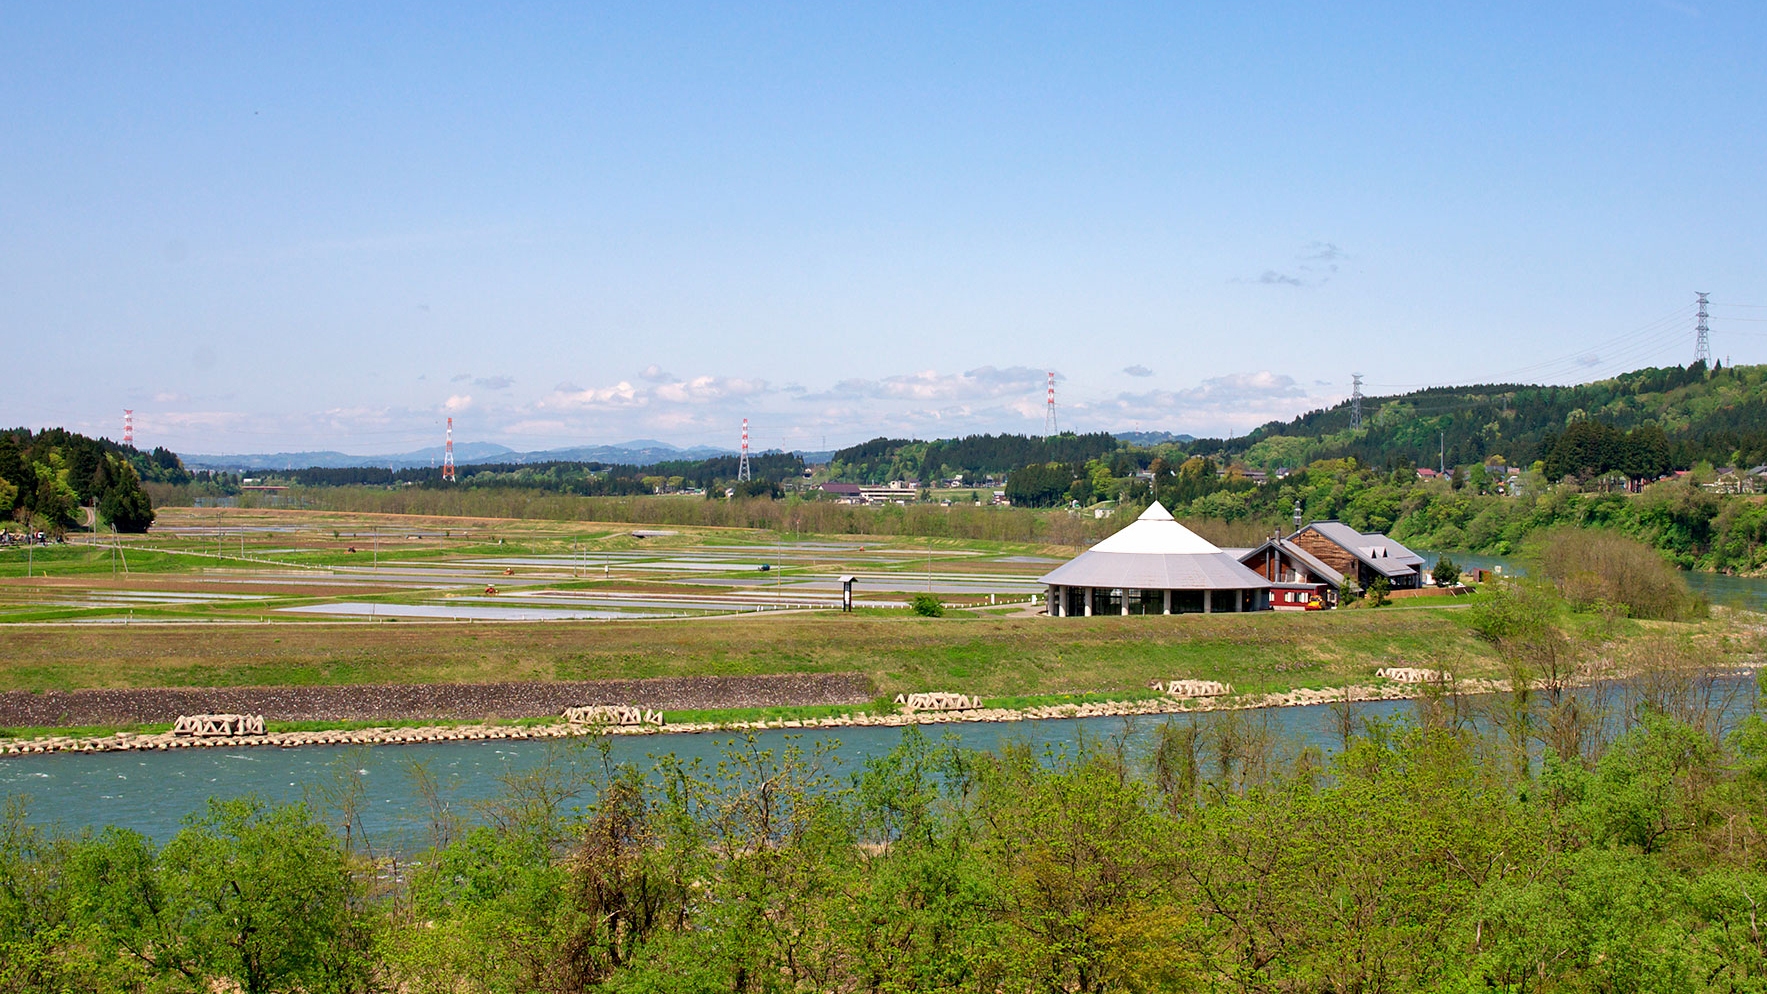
[1378, 588]
[1446, 572]
[927, 606]
[1592, 566]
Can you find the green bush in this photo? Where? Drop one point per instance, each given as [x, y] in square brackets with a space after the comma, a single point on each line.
[927, 606]
[1446, 572]
[1378, 588]
[1592, 566]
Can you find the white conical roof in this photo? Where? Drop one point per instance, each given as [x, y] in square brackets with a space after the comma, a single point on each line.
[1155, 552]
[1157, 533]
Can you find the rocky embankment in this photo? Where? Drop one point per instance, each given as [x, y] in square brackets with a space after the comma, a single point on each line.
[454, 733]
[426, 702]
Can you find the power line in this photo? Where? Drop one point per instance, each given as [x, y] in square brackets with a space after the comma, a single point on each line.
[1650, 328]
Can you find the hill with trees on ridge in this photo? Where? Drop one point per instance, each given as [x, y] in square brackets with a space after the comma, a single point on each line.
[47, 476]
[1718, 416]
[883, 459]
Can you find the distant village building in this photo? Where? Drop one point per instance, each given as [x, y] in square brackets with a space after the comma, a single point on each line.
[1154, 566]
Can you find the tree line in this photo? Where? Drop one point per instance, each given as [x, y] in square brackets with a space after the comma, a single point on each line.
[973, 457]
[590, 479]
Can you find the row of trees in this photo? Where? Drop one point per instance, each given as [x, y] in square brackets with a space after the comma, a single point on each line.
[47, 476]
[792, 514]
[973, 457]
[592, 479]
[1203, 855]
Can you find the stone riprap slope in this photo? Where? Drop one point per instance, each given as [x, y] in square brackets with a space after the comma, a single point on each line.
[420, 702]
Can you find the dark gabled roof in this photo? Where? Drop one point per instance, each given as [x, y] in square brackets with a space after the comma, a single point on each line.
[1294, 551]
[1376, 551]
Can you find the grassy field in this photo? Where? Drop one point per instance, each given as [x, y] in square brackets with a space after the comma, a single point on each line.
[235, 619]
[976, 654]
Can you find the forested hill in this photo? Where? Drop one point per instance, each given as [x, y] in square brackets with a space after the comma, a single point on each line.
[884, 459]
[46, 477]
[1719, 417]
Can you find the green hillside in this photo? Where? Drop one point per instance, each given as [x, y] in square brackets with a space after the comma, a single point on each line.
[46, 477]
[1718, 417]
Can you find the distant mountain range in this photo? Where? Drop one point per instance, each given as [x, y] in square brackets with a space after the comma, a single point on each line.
[641, 452]
[638, 452]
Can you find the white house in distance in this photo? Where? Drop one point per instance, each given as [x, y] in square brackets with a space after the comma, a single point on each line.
[1154, 566]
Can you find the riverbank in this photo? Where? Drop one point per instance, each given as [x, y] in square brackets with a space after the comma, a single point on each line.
[405, 735]
[989, 656]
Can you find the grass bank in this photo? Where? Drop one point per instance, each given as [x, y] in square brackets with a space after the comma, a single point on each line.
[992, 656]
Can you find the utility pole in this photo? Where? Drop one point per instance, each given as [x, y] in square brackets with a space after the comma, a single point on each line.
[1355, 401]
[1702, 346]
[1442, 467]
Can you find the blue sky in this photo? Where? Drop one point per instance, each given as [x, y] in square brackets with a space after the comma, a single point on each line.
[330, 226]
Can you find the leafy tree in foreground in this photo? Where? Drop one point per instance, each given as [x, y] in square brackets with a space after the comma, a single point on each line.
[259, 895]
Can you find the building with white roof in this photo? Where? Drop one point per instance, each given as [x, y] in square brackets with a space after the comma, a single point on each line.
[1154, 566]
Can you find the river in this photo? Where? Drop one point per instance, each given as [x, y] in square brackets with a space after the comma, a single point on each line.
[152, 791]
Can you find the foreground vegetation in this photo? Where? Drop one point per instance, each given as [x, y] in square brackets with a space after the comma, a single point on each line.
[1430, 855]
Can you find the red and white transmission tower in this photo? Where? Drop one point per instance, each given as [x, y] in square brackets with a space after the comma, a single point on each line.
[128, 427]
[742, 468]
[448, 454]
[1049, 430]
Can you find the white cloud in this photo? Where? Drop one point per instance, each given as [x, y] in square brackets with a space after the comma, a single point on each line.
[983, 382]
[458, 402]
[1316, 263]
[702, 389]
[621, 395]
[625, 394]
